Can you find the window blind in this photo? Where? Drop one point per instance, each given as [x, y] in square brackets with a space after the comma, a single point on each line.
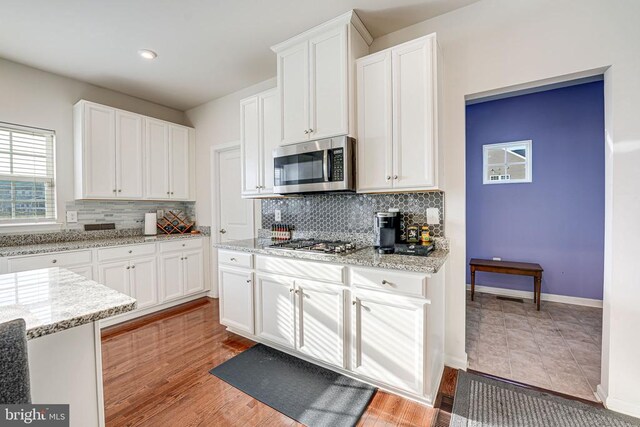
[27, 175]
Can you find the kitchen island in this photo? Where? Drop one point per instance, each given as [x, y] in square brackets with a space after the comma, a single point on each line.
[62, 311]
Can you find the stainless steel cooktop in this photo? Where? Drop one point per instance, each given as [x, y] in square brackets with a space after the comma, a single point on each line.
[316, 246]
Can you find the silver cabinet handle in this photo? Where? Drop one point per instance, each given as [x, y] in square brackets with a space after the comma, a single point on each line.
[233, 259]
[290, 290]
[172, 192]
[310, 130]
[128, 267]
[186, 258]
[167, 192]
[306, 131]
[354, 302]
[248, 280]
[222, 231]
[388, 177]
[395, 176]
[384, 282]
[119, 191]
[184, 244]
[53, 261]
[115, 191]
[181, 258]
[133, 266]
[130, 251]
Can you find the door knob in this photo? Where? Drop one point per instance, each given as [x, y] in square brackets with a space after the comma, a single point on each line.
[310, 130]
[222, 231]
[306, 131]
[388, 177]
[395, 176]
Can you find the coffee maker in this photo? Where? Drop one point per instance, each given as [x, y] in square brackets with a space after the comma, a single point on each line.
[387, 227]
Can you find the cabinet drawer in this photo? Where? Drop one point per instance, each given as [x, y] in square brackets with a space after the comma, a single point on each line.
[388, 280]
[58, 259]
[238, 259]
[181, 245]
[121, 252]
[303, 269]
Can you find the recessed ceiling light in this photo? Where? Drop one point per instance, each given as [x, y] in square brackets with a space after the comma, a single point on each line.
[147, 54]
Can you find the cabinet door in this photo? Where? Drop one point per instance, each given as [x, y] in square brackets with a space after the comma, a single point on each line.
[99, 146]
[388, 334]
[250, 145]
[236, 299]
[270, 137]
[156, 159]
[320, 321]
[328, 90]
[144, 285]
[116, 276]
[374, 122]
[413, 115]
[293, 84]
[193, 264]
[129, 157]
[171, 276]
[179, 162]
[274, 309]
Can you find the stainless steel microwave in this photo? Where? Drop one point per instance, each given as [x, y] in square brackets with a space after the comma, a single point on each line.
[326, 165]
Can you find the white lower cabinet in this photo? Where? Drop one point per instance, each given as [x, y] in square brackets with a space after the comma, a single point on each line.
[275, 309]
[193, 272]
[236, 298]
[378, 325]
[136, 278]
[171, 274]
[388, 338]
[320, 321]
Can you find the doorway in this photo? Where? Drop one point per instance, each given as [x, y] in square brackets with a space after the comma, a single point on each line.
[535, 193]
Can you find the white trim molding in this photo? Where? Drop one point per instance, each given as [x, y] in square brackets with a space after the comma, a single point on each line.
[456, 362]
[544, 297]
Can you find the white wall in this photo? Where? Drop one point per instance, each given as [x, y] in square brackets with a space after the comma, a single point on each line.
[495, 44]
[216, 122]
[37, 98]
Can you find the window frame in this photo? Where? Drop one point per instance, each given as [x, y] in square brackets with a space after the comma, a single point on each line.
[51, 215]
[528, 162]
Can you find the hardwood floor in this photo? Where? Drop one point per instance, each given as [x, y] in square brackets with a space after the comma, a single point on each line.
[156, 373]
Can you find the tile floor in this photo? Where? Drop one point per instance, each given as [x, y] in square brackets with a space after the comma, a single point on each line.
[556, 348]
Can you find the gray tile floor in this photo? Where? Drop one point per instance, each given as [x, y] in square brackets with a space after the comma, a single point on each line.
[556, 348]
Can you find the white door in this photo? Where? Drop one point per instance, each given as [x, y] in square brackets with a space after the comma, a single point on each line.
[144, 285]
[328, 93]
[274, 309]
[235, 213]
[413, 130]
[388, 339]
[129, 148]
[236, 298]
[193, 262]
[99, 145]
[250, 145]
[270, 122]
[171, 276]
[156, 159]
[374, 122]
[86, 271]
[320, 321]
[293, 84]
[179, 162]
[116, 276]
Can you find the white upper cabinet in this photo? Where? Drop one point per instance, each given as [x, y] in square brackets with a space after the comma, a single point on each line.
[124, 155]
[316, 82]
[169, 151]
[259, 135]
[95, 151]
[397, 118]
[129, 155]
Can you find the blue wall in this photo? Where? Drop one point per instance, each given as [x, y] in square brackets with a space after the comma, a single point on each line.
[558, 219]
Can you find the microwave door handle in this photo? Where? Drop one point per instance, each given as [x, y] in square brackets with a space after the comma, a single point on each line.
[326, 165]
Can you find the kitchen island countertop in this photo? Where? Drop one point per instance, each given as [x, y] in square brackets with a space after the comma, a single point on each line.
[365, 257]
[51, 300]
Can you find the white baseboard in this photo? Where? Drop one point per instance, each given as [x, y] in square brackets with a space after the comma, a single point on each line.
[627, 408]
[456, 362]
[602, 395]
[544, 297]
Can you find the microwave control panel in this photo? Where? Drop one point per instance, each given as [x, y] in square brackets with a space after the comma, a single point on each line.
[337, 170]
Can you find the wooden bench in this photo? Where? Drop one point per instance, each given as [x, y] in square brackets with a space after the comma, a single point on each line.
[508, 267]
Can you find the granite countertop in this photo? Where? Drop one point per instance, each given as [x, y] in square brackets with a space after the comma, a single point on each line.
[51, 300]
[6, 251]
[366, 257]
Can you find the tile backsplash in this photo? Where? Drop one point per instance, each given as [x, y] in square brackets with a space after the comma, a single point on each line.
[340, 214]
[125, 214]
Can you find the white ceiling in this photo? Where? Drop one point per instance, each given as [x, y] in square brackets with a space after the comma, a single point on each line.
[206, 48]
